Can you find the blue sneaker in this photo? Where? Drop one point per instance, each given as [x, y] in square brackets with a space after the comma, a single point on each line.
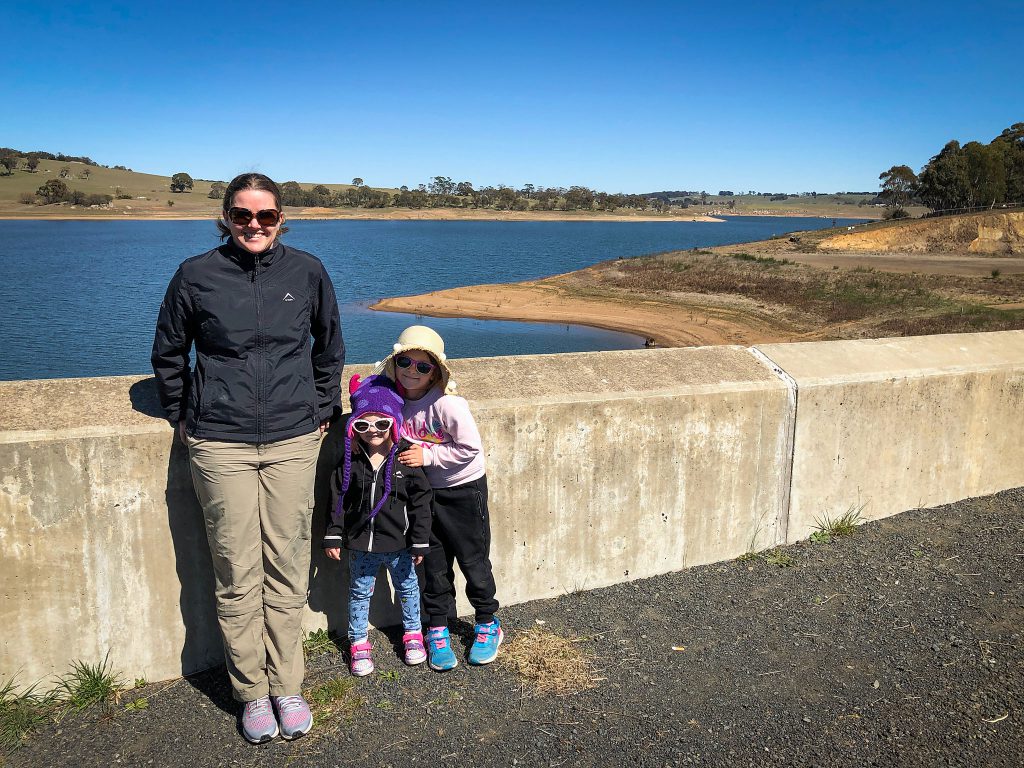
[439, 644]
[485, 647]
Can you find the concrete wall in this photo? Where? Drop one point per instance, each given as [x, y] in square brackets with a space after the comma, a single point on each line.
[885, 425]
[603, 467]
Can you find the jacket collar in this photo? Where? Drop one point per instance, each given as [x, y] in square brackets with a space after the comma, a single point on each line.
[247, 260]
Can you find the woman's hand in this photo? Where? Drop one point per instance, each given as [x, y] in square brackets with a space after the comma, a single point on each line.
[323, 428]
[417, 559]
[412, 457]
[334, 553]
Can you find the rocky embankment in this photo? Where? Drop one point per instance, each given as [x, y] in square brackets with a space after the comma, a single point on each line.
[991, 232]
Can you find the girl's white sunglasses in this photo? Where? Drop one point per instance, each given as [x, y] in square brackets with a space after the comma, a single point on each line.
[378, 425]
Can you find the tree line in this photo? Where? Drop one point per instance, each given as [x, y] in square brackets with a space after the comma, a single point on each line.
[974, 175]
[444, 192]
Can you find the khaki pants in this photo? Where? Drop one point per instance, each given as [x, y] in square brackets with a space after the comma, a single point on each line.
[258, 505]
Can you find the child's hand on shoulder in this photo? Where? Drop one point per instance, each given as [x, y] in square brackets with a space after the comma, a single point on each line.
[412, 457]
[333, 552]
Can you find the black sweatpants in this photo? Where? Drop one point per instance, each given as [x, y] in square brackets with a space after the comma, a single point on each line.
[461, 531]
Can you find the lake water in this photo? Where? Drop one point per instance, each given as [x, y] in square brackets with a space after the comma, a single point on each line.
[80, 298]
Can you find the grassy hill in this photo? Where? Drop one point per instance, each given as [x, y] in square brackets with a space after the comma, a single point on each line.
[149, 196]
[150, 193]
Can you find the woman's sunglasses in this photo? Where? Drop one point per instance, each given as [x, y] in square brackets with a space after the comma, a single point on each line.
[363, 426]
[422, 367]
[265, 218]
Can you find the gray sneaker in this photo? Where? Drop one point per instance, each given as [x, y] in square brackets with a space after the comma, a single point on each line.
[258, 722]
[294, 715]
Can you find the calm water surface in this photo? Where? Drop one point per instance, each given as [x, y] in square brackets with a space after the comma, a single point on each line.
[80, 298]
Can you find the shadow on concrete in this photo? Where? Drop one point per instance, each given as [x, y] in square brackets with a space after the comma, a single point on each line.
[144, 398]
[202, 648]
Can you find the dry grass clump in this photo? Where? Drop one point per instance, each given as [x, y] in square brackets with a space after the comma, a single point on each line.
[550, 663]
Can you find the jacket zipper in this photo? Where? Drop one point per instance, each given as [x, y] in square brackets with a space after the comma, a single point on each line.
[258, 300]
[373, 502]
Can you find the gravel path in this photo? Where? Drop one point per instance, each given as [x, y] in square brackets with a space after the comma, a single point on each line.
[900, 645]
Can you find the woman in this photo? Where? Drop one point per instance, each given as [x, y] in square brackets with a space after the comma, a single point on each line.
[252, 412]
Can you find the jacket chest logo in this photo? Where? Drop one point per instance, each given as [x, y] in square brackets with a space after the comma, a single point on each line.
[289, 297]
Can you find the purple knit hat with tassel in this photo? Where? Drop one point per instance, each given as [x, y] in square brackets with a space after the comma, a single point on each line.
[374, 394]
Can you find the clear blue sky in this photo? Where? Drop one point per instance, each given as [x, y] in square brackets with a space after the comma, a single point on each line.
[634, 97]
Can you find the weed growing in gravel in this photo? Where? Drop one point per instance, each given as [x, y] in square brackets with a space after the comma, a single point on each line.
[550, 663]
[334, 698]
[137, 705]
[318, 643]
[389, 675]
[780, 558]
[88, 684]
[825, 527]
[20, 713]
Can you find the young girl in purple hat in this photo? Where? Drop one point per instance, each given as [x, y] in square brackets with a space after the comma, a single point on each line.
[381, 515]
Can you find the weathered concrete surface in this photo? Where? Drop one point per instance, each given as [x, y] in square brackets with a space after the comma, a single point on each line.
[894, 424]
[603, 467]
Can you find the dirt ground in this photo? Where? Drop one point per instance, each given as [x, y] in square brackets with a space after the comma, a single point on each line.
[900, 645]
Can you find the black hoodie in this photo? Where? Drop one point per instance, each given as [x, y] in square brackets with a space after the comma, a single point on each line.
[258, 376]
[402, 523]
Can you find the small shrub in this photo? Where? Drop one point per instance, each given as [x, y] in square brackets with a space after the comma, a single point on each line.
[27, 198]
[319, 642]
[88, 684]
[19, 714]
[844, 525]
[170, 203]
[995, 274]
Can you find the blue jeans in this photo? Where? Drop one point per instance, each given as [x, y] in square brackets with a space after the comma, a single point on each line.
[363, 567]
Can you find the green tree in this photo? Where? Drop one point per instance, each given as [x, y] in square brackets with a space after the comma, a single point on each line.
[986, 172]
[943, 183]
[898, 185]
[357, 182]
[1012, 141]
[217, 190]
[32, 163]
[10, 162]
[292, 193]
[578, 197]
[65, 172]
[53, 191]
[181, 182]
[86, 173]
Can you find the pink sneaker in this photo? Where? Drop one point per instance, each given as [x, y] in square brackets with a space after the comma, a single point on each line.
[415, 651]
[294, 715]
[361, 663]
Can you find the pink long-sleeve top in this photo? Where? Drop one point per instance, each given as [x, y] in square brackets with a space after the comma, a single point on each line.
[442, 424]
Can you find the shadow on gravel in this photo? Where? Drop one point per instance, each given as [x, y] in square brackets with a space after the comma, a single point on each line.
[215, 685]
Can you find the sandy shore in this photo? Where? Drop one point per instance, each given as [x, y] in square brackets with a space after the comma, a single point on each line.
[586, 297]
[553, 300]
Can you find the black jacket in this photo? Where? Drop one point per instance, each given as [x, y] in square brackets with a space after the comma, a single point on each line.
[402, 523]
[257, 377]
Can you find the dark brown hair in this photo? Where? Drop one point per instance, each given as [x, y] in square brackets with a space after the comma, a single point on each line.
[248, 181]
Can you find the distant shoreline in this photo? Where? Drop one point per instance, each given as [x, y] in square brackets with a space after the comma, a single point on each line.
[404, 214]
